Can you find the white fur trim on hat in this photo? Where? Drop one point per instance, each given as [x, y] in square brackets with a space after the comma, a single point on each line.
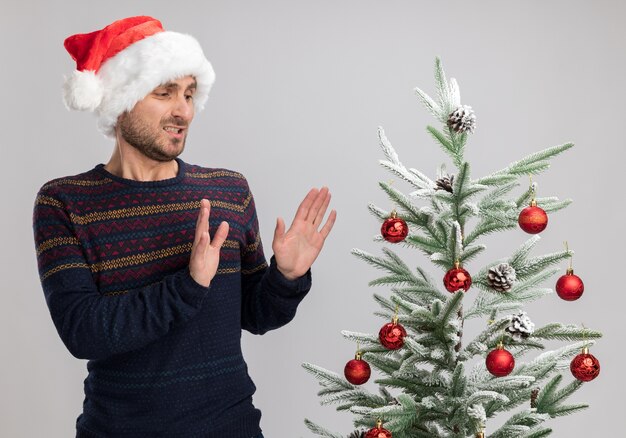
[82, 91]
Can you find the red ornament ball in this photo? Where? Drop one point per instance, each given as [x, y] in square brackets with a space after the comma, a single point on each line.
[357, 371]
[457, 278]
[500, 362]
[392, 335]
[378, 432]
[569, 286]
[585, 367]
[394, 229]
[533, 219]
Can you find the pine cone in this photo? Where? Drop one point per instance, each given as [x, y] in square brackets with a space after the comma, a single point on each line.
[501, 277]
[462, 119]
[533, 398]
[521, 326]
[393, 402]
[445, 183]
[357, 434]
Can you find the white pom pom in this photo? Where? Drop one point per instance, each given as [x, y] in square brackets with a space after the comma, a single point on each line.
[83, 91]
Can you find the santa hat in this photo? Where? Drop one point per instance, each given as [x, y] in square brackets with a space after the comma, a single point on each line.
[121, 64]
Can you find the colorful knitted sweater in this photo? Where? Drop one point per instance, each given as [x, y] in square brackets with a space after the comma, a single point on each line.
[164, 352]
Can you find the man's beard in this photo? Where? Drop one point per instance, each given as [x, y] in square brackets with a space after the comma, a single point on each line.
[144, 138]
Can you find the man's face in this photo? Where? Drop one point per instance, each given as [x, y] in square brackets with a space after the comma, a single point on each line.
[157, 126]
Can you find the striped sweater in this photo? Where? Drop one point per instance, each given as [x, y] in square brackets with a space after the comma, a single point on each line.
[164, 352]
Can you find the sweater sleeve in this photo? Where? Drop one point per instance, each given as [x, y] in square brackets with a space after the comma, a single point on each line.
[93, 325]
[269, 299]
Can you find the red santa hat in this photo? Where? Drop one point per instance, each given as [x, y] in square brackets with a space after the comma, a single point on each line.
[121, 64]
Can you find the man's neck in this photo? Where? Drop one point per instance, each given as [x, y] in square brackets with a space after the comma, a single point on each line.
[136, 166]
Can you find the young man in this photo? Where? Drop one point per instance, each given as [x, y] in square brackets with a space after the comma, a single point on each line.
[152, 266]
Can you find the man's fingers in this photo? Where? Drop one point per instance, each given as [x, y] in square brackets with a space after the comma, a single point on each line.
[207, 208]
[202, 224]
[305, 205]
[280, 228]
[325, 231]
[220, 235]
[198, 252]
[203, 215]
[318, 201]
[202, 239]
[321, 210]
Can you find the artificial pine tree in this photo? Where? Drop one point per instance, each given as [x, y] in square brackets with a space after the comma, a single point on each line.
[445, 386]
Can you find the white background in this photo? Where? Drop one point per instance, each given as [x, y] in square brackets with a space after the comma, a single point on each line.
[301, 89]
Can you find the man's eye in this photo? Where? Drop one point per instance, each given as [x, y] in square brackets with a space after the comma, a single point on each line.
[165, 94]
[189, 97]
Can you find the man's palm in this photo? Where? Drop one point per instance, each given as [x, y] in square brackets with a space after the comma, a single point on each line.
[297, 249]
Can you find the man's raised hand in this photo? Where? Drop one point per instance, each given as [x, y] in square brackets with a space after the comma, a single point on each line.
[297, 249]
[205, 253]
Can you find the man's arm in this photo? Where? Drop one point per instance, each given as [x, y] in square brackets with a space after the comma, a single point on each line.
[271, 294]
[94, 326]
[269, 299]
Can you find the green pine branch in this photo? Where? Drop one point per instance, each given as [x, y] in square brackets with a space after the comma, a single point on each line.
[367, 342]
[563, 332]
[469, 252]
[399, 417]
[442, 140]
[480, 343]
[458, 384]
[444, 93]
[427, 245]
[320, 431]
[398, 270]
[393, 164]
[546, 362]
[532, 164]
[409, 213]
[538, 432]
[422, 294]
[550, 398]
[488, 226]
[520, 424]
[521, 254]
[494, 302]
[454, 246]
[529, 268]
[328, 379]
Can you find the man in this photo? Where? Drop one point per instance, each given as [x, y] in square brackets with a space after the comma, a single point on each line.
[152, 266]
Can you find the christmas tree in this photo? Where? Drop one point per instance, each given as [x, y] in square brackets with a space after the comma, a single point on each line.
[432, 382]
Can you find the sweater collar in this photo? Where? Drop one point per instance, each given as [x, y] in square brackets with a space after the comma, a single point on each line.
[131, 182]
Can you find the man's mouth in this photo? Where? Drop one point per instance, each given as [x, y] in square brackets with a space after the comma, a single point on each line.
[173, 129]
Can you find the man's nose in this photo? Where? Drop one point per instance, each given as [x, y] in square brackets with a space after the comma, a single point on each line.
[183, 108]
